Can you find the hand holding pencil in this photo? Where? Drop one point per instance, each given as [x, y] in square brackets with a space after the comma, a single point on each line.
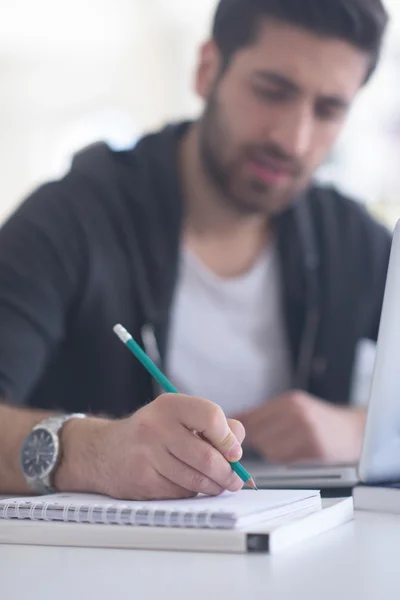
[175, 447]
[166, 460]
[153, 454]
[223, 438]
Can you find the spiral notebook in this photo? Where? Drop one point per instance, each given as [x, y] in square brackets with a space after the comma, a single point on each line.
[228, 511]
[269, 523]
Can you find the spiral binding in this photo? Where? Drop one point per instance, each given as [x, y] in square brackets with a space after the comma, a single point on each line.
[104, 512]
[133, 517]
[19, 516]
[107, 514]
[65, 513]
[90, 516]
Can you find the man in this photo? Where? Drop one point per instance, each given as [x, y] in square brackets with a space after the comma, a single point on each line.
[211, 245]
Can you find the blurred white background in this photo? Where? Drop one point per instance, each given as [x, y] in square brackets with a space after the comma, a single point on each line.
[73, 73]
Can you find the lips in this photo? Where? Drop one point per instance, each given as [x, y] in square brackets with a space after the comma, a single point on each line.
[268, 172]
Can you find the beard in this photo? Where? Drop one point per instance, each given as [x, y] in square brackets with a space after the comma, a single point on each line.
[224, 167]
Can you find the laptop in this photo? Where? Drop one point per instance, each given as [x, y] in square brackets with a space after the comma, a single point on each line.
[380, 458]
[310, 476]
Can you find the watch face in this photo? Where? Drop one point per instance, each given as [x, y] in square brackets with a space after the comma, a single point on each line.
[38, 454]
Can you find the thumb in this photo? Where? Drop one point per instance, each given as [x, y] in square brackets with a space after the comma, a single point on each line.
[231, 445]
[209, 420]
[237, 429]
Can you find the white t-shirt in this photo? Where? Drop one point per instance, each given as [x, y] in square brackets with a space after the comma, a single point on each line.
[228, 338]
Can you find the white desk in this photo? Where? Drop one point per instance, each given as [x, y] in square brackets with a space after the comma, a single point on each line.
[360, 560]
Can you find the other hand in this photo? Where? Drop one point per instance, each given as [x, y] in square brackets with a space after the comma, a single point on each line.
[297, 427]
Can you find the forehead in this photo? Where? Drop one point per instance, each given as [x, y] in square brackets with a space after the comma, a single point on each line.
[320, 64]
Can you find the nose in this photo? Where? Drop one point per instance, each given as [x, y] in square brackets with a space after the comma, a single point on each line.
[293, 131]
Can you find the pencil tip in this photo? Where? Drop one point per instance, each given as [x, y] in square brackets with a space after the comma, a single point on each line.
[252, 484]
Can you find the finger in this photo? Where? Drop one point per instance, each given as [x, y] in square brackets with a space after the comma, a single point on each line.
[159, 487]
[204, 458]
[272, 410]
[208, 419]
[237, 429]
[280, 413]
[283, 454]
[279, 428]
[269, 434]
[294, 454]
[276, 430]
[168, 490]
[270, 428]
[297, 451]
[280, 447]
[272, 437]
[186, 477]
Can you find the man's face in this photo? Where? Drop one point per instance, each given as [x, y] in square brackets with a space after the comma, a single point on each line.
[273, 116]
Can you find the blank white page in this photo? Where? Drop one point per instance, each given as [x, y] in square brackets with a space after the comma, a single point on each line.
[243, 503]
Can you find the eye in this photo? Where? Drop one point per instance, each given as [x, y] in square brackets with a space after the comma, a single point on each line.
[327, 111]
[270, 94]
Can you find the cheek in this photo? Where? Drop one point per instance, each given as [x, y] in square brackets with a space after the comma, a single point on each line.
[247, 118]
[324, 139]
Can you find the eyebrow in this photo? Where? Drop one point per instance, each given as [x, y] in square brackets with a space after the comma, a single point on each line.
[292, 87]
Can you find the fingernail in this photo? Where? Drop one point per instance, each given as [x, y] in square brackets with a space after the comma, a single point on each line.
[235, 453]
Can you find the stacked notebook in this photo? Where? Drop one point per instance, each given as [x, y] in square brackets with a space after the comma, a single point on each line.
[378, 498]
[264, 521]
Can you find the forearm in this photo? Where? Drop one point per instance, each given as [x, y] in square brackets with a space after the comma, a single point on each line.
[15, 425]
[83, 465]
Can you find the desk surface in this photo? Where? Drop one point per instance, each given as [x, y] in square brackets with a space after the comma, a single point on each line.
[360, 560]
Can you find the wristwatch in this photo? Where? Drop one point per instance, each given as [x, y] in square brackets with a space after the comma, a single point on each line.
[41, 452]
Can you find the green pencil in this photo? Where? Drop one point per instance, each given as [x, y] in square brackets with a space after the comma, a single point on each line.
[167, 386]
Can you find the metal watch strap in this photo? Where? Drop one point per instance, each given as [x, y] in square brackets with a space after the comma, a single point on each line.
[56, 422]
[53, 424]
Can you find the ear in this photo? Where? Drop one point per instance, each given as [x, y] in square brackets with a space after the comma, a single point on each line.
[208, 69]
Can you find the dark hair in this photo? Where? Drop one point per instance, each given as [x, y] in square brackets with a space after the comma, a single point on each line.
[359, 22]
